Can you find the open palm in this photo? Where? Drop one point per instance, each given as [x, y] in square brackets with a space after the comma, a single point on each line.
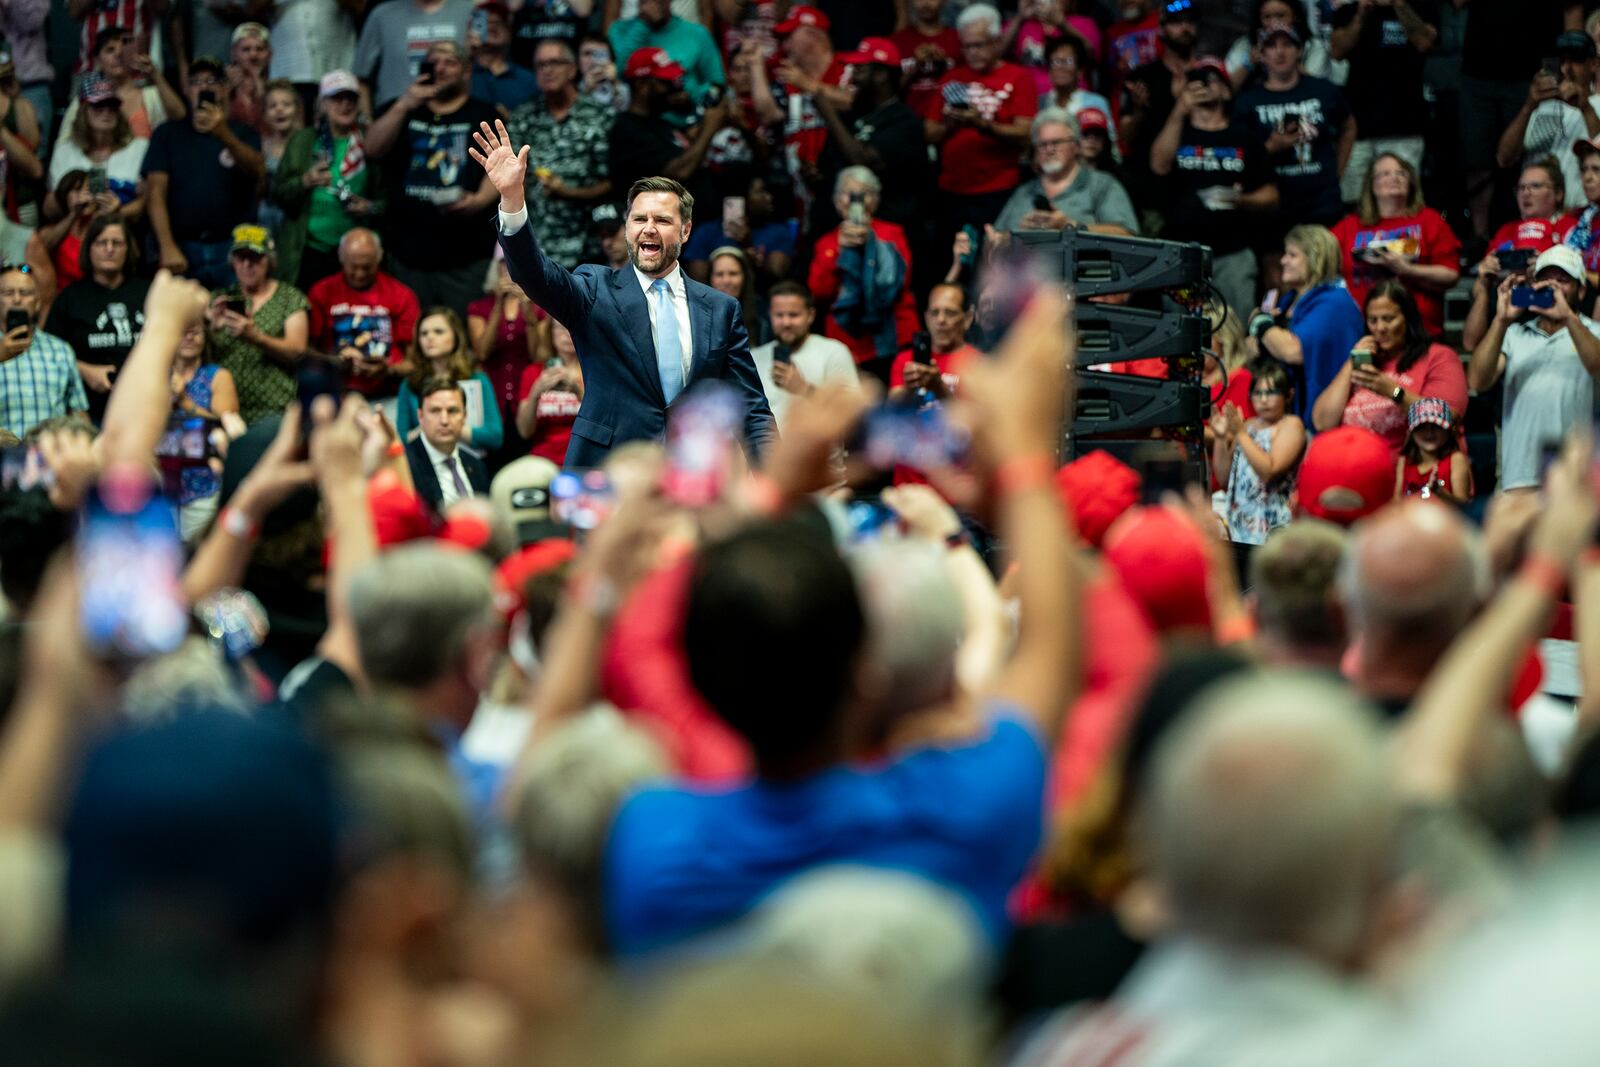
[505, 167]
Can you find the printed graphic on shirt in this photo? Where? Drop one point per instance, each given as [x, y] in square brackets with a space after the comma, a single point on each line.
[438, 152]
[364, 327]
[1404, 240]
[1210, 160]
[421, 38]
[558, 404]
[985, 101]
[116, 327]
[1307, 121]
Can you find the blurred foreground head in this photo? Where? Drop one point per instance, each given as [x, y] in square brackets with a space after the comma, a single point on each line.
[1271, 818]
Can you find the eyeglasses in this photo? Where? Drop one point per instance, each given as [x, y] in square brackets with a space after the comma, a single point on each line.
[987, 42]
[109, 242]
[1062, 142]
[8, 267]
[1530, 187]
[552, 64]
[1065, 62]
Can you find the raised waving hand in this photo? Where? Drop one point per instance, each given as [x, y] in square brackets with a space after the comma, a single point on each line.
[505, 167]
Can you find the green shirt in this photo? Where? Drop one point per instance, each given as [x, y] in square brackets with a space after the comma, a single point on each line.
[265, 386]
[328, 221]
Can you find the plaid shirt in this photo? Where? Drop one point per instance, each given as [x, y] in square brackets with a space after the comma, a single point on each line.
[40, 384]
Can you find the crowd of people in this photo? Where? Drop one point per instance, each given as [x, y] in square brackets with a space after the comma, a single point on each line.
[555, 532]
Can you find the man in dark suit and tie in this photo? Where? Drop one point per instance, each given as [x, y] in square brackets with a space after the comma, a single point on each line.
[442, 468]
[646, 332]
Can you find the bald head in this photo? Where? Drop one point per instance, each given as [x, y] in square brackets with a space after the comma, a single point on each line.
[360, 252]
[1414, 572]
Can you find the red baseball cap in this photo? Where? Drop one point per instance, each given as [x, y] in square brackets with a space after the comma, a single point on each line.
[1210, 64]
[1348, 474]
[1092, 118]
[495, 7]
[1161, 559]
[879, 50]
[518, 569]
[1534, 234]
[804, 15]
[653, 63]
[1098, 488]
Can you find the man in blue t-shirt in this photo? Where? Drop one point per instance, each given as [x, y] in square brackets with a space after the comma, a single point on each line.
[777, 642]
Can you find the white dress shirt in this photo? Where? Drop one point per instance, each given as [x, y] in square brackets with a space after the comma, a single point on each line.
[441, 471]
[514, 221]
[821, 360]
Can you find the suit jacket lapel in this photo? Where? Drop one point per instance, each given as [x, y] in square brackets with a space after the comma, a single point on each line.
[700, 326]
[633, 316]
[424, 477]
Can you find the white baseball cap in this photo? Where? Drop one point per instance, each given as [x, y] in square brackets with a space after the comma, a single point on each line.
[1563, 256]
[338, 81]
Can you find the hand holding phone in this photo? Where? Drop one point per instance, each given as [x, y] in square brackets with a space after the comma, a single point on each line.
[1531, 298]
[130, 559]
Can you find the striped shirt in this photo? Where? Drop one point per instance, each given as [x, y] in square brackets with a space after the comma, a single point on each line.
[40, 384]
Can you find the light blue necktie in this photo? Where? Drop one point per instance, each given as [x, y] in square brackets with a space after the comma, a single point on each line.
[669, 347]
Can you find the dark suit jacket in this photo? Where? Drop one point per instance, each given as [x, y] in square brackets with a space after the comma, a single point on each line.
[610, 323]
[427, 482]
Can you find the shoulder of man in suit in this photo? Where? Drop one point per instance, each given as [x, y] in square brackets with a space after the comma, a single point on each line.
[468, 450]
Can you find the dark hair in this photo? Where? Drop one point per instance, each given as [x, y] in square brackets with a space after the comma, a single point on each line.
[1412, 452]
[961, 291]
[662, 185]
[1552, 170]
[101, 224]
[440, 385]
[31, 531]
[754, 599]
[1418, 340]
[68, 185]
[461, 363]
[790, 287]
[1070, 38]
[107, 35]
[1297, 15]
[1267, 370]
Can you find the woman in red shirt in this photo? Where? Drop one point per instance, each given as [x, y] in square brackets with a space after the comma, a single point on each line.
[1406, 366]
[551, 394]
[1394, 236]
[505, 337]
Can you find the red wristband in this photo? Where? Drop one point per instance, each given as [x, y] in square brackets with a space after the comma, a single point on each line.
[1544, 574]
[1032, 470]
[763, 493]
[396, 450]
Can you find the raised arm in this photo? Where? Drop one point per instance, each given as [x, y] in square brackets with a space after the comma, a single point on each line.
[142, 397]
[1021, 398]
[1435, 742]
[565, 296]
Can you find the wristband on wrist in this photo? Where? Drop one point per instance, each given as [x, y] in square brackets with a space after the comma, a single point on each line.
[959, 539]
[1234, 630]
[593, 593]
[395, 450]
[1591, 556]
[763, 493]
[1031, 470]
[1544, 574]
[236, 523]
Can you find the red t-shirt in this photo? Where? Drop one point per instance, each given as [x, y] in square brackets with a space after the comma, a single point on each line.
[1129, 46]
[557, 410]
[1424, 237]
[68, 261]
[381, 318]
[924, 59]
[1534, 234]
[972, 162]
[824, 282]
[1438, 373]
[951, 366]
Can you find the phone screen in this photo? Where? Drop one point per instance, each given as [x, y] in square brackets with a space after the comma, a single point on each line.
[919, 438]
[22, 467]
[130, 559]
[17, 318]
[702, 434]
[1160, 477]
[582, 501]
[316, 377]
[732, 210]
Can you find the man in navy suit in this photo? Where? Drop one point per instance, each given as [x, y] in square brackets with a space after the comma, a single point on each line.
[442, 468]
[646, 332]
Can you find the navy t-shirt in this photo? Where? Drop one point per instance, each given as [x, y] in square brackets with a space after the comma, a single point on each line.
[1385, 84]
[1207, 158]
[682, 861]
[430, 169]
[208, 193]
[1307, 175]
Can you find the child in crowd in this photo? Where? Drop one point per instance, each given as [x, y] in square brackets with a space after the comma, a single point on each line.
[1261, 455]
[1432, 463]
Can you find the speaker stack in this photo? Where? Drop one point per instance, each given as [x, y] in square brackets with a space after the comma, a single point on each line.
[1160, 288]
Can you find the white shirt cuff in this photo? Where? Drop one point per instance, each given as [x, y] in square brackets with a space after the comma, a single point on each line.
[514, 221]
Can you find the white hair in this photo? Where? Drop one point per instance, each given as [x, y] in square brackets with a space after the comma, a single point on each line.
[914, 618]
[860, 174]
[976, 14]
[1270, 814]
[1053, 116]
